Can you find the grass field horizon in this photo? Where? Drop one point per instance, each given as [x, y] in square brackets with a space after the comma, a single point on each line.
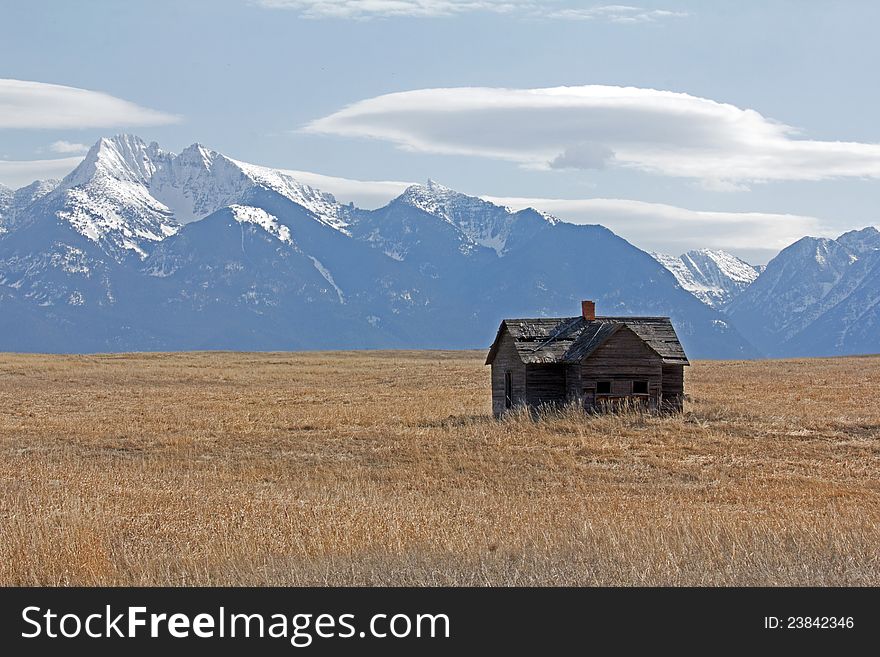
[386, 467]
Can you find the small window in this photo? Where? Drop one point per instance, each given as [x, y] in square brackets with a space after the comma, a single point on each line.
[508, 391]
[640, 387]
[603, 387]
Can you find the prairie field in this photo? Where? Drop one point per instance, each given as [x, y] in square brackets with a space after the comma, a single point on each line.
[386, 468]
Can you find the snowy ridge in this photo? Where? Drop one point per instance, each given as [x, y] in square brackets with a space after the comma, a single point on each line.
[124, 158]
[718, 267]
[245, 214]
[200, 181]
[819, 296]
[797, 284]
[481, 222]
[678, 269]
[15, 204]
[24, 196]
[714, 277]
[196, 182]
[323, 205]
[127, 195]
[435, 199]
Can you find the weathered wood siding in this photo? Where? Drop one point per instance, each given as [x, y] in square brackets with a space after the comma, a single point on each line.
[622, 359]
[507, 360]
[573, 387]
[673, 387]
[545, 384]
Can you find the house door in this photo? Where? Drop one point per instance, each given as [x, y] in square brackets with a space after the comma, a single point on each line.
[508, 391]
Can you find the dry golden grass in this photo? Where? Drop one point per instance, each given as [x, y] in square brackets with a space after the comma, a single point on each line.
[386, 468]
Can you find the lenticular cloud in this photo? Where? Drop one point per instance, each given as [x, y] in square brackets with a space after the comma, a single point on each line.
[28, 104]
[594, 126]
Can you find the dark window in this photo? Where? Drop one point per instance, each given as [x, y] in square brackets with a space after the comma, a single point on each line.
[640, 387]
[603, 387]
[508, 392]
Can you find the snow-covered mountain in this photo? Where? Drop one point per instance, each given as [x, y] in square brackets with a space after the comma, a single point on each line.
[127, 195]
[13, 203]
[714, 277]
[140, 249]
[480, 222]
[819, 296]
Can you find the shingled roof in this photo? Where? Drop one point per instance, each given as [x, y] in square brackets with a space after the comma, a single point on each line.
[571, 339]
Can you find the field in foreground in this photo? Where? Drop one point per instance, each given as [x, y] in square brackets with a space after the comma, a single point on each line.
[386, 468]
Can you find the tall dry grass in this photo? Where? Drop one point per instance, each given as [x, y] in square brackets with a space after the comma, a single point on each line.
[386, 468]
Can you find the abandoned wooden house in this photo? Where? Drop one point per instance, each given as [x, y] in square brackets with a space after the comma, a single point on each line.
[597, 361]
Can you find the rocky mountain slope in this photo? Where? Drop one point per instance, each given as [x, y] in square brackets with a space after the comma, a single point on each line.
[714, 277]
[819, 296]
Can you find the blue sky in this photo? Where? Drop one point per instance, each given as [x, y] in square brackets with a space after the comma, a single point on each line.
[768, 131]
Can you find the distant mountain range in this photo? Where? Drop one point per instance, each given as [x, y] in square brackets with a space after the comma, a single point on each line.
[142, 249]
[817, 297]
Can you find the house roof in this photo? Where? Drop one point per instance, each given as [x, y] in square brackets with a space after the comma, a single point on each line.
[571, 339]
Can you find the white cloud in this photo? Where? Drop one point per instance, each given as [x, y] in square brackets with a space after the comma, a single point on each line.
[617, 14]
[62, 146]
[361, 9]
[661, 132]
[18, 173]
[27, 104]
[365, 9]
[583, 156]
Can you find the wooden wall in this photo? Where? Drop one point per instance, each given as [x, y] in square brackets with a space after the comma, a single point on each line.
[622, 359]
[507, 360]
[573, 385]
[545, 384]
[673, 387]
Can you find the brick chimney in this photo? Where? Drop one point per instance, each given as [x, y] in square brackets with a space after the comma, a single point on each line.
[588, 309]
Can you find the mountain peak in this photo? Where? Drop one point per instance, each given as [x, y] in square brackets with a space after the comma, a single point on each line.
[125, 171]
[430, 197]
[827, 253]
[715, 262]
[861, 241]
[479, 221]
[713, 276]
[867, 230]
[440, 201]
[198, 154]
[437, 188]
[122, 157]
[106, 198]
